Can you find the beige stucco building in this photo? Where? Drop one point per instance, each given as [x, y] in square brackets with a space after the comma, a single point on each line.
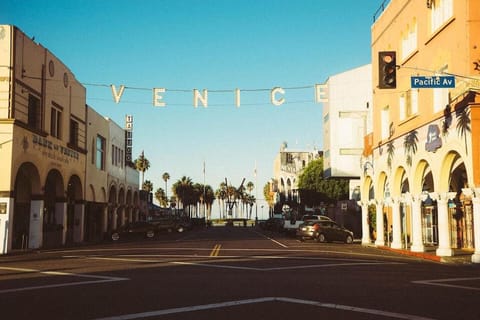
[287, 167]
[425, 177]
[46, 150]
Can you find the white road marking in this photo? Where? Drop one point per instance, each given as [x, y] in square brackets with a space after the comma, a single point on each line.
[376, 312]
[277, 268]
[217, 263]
[442, 283]
[290, 250]
[101, 279]
[273, 240]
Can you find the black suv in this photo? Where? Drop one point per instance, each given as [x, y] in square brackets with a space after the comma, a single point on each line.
[134, 229]
[169, 224]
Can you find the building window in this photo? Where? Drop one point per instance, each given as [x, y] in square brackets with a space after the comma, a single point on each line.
[100, 153]
[73, 133]
[55, 122]
[34, 112]
[408, 104]
[385, 121]
[440, 95]
[442, 11]
[409, 40]
[440, 99]
[113, 154]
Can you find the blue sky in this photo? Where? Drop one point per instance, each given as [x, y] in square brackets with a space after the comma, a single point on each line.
[214, 45]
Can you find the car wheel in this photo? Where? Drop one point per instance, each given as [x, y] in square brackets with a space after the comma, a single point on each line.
[349, 239]
[321, 238]
[150, 234]
[115, 236]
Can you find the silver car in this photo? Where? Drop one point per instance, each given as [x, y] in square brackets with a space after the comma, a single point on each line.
[324, 231]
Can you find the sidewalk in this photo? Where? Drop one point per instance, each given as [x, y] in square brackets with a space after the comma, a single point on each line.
[459, 257]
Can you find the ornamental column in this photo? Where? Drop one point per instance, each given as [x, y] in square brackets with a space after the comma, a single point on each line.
[417, 239]
[365, 226]
[380, 241]
[444, 237]
[396, 225]
[476, 226]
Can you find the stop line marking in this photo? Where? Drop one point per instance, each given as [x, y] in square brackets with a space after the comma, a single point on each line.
[100, 279]
[341, 307]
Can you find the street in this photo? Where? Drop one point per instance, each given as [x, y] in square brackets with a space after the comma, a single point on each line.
[233, 273]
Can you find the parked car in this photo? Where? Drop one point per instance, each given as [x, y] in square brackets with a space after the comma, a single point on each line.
[170, 224]
[291, 226]
[309, 217]
[323, 231]
[273, 224]
[134, 229]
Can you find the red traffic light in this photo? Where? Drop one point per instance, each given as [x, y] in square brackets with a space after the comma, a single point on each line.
[387, 70]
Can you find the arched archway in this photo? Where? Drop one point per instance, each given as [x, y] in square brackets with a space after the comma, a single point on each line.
[424, 184]
[54, 211]
[401, 213]
[121, 207]
[27, 186]
[460, 209]
[75, 210]
[112, 208]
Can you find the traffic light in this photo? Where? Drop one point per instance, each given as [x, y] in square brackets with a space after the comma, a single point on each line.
[387, 70]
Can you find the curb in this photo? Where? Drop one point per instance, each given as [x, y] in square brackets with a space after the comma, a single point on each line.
[460, 259]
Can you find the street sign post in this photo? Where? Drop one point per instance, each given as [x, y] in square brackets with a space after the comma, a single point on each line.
[418, 82]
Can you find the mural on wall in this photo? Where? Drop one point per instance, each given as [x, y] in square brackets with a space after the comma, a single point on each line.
[434, 141]
[410, 145]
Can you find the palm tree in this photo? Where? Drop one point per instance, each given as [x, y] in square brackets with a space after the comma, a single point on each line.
[161, 197]
[165, 178]
[250, 186]
[142, 164]
[410, 145]
[221, 194]
[463, 124]
[183, 190]
[147, 186]
[250, 202]
[268, 195]
[209, 198]
[390, 153]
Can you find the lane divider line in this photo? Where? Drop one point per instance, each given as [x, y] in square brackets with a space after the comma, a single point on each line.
[216, 250]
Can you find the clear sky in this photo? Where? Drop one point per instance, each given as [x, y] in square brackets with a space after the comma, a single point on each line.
[208, 44]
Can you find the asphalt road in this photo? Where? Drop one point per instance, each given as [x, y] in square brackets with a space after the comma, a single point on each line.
[233, 273]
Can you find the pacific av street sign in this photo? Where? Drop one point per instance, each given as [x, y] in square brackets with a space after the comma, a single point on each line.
[433, 82]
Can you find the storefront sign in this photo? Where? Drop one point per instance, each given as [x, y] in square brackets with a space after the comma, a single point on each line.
[128, 137]
[54, 150]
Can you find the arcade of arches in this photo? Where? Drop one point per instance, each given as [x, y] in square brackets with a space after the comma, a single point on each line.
[418, 209]
[51, 211]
